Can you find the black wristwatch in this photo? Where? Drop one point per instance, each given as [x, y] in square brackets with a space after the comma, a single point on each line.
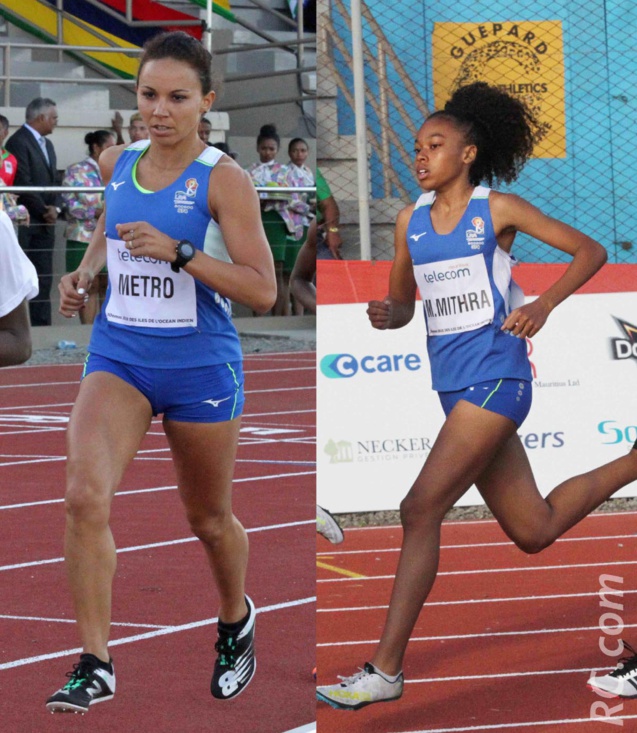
[185, 252]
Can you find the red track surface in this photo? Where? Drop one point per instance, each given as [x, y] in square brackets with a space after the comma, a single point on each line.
[164, 602]
[507, 641]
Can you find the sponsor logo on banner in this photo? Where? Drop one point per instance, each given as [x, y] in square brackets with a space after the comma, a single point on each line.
[380, 449]
[617, 433]
[345, 366]
[533, 441]
[626, 347]
[545, 383]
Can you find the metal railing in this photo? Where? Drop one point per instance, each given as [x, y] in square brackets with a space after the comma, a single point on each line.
[295, 46]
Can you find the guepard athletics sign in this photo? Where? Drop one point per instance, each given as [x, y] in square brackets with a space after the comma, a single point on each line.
[526, 58]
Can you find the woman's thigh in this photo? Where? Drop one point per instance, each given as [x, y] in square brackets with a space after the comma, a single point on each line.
[204, 458]
[465, 446]
[108, 421]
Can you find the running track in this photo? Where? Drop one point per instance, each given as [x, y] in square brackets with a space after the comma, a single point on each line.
[507, 641]
[164, 603]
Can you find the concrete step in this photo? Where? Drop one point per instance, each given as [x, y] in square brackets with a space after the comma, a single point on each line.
[46, 69]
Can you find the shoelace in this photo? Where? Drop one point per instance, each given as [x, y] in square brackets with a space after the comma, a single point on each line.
[627, 661]
[355, 677]
[81, 671]
[226, 647]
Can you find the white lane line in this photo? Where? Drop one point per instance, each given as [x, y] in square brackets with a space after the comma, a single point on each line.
[72, 621]
[70, 404]
[253, 391]
[530, 724]
[469, 601]
[451, 522]
[309, 728]
[162, 488]
[152, 545]
[508, 543]
[488, 570]
[151, 634]
[282, 412]
[484, 635]
[506, 675]
[38, 384]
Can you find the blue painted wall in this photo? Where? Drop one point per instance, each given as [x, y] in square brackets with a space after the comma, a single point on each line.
[593, 188]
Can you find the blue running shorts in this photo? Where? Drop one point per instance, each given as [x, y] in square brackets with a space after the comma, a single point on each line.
[508, 397]
[198, 394]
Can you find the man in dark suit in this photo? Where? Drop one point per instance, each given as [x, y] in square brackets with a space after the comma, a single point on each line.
[37, 167]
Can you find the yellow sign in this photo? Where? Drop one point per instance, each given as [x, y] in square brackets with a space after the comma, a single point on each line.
[525, 58]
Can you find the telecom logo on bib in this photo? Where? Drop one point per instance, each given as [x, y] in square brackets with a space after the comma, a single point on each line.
[475, 236]
[185, 200]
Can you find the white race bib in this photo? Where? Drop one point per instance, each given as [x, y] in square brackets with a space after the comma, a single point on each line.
[145, 292]
[456, 294]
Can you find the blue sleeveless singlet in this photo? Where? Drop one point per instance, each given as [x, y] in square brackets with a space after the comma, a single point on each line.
[153, 316]
[464, 279]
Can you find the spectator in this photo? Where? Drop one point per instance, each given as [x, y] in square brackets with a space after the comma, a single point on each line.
[302, 279]
[8, 163]
[282, 213]
[299, 175]
[204, 130]
[8, 166]
[298, 151]
[18, 283]
[37, 167]
[83, 211]
[137, 129]
[329, 237]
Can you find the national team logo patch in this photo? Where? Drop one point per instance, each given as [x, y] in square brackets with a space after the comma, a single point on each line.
[192, 185]
[478, 224]
[184, 200]
[475, 236]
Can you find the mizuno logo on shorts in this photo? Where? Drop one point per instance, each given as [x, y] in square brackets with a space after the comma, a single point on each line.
[216, 403]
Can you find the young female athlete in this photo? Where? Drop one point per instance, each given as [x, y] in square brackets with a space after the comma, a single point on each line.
[182, 237]
[453, 244]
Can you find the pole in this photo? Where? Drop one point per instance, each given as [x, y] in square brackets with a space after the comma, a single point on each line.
[209, 25]
[361, 130]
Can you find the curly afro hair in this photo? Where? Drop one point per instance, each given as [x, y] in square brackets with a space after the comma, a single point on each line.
[501, 127]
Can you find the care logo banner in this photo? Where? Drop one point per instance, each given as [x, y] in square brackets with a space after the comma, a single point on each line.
[525, 58]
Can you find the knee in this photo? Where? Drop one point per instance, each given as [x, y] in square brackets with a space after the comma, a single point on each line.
[88, 493]
[211, 527]
[87, 503]
[418, 512]
[533, 543]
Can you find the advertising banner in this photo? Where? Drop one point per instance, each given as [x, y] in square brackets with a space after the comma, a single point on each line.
[378, 416]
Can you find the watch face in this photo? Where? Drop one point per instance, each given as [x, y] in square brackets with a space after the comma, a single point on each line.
[187, 249]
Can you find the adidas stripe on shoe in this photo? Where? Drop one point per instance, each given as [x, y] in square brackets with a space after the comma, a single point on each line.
[235, 664]
[89, 683]
[363, 688]
[622, 681]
